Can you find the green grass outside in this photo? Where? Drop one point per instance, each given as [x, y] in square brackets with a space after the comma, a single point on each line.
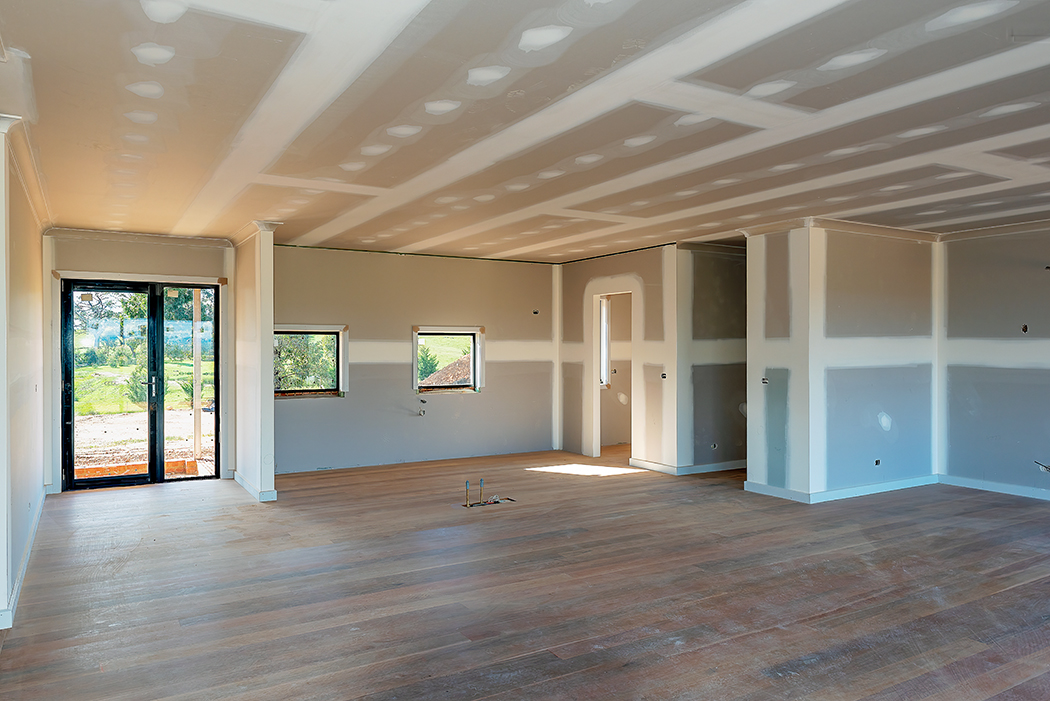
[447, 348]
[103, 389]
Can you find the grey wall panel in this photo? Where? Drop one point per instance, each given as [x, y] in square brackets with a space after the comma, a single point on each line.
[778, 287]
[878, 286]
[719, 426]
[646, 265]
[999, 424]
[616, 414]
[719, 294]
[777, 425]
[620, 317]
[378, 421]
[383, 296]
[882, 414]
[654, 412]
[572, 407]
[997, 285]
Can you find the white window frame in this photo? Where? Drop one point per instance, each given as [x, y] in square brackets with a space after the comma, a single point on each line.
[479, 357]
[342, 361]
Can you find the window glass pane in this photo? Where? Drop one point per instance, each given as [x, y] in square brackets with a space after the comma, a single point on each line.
[445, 360]
[305, 361]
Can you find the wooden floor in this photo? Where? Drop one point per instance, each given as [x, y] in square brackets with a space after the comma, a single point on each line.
[376, 583]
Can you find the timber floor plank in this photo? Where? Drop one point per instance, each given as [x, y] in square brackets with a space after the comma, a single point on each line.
[376, 583]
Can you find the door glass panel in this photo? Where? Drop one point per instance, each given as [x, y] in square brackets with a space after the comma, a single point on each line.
[189, 383]
[110, 384]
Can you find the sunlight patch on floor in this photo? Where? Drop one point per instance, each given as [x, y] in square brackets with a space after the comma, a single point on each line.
[586, 470]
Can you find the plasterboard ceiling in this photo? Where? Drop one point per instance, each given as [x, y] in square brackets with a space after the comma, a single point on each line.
[544, 130]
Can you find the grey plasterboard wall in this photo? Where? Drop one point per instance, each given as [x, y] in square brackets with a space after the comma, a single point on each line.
[572, 407]
[882, 414]
[719, 395]
[776, 388]
[652, 375]
[647, 265]
[999, 424]
[616, 405]
[997, 285]
[719, 294]
[24, 337]
[138, 255]
[378, 422]
[878, 286]
[778, 287]
[381, 297]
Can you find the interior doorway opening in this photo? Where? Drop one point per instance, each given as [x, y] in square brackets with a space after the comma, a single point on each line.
[614, 406]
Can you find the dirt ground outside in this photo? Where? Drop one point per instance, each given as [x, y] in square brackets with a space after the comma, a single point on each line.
[120, 439]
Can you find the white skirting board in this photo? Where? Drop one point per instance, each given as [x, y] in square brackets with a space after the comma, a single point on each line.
[864, 490]
[834, 494]
[688, 469]
[7, 615]
[268, 495]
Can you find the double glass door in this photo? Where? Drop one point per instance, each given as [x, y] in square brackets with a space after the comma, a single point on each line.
[139, 383]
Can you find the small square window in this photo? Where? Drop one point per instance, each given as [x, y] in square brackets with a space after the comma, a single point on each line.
[447, 359]
[308, 361]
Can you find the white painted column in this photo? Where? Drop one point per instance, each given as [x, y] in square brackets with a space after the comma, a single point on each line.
[939, 388]
[817, 363]
[7, 568]
[253, 359]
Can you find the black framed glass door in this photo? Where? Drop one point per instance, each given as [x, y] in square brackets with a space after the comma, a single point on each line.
[139, 383]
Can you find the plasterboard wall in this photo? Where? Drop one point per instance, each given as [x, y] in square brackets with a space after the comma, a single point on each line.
[24, 336]
[713, 356]
[996, 356]
[845, 400]
[650, 276]
[380, 297]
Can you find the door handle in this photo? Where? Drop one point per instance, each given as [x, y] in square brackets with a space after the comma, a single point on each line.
[153, 386]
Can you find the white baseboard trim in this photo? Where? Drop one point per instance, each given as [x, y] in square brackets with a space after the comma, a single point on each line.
[654, 466]
[780, 492]
[268, 495]
[7, 616]
[984, 485]
[713, 467]
[688, 469]
[835, 494]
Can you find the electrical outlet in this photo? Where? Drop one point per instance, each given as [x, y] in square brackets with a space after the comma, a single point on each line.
[878, 462]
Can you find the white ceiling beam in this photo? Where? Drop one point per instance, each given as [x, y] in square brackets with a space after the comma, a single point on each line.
[729, 107]
[348, 37]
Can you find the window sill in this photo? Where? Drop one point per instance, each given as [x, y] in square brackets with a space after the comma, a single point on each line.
[311, 393]
[448, 390]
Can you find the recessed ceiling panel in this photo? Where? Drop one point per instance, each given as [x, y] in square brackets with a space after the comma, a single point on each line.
[133, 114]
[967, 44]
[459, 74]
[836, 33]
[535, 230]
[950, 121]
[994, 208]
